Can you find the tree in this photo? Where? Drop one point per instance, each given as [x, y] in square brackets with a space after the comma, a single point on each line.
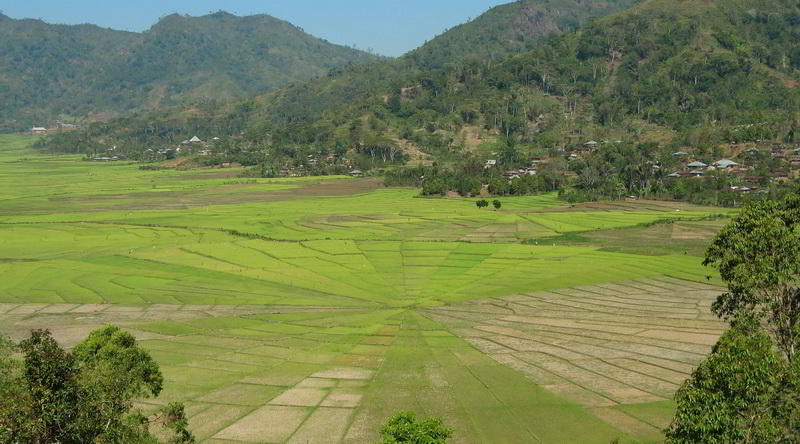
[748, 389]
[404, 428]
[731, 396]
[482, 203]
[82, 396]
[497, 204]
[758, 255]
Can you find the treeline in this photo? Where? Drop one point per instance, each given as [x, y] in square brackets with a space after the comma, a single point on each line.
[611, 172]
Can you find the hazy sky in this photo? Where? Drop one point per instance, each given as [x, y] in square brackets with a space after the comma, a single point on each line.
[390, 27]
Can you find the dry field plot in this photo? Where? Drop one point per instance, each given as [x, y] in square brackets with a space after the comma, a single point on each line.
[602, 346]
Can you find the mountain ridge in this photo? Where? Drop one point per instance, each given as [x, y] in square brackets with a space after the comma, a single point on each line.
[672, 71]
[52, 71]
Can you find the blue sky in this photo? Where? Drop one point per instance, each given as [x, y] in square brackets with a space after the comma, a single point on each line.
[389, 27]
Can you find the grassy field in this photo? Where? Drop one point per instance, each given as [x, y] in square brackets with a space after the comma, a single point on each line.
[311, 309]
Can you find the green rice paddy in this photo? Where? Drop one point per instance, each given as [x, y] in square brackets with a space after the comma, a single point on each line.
[310, 309]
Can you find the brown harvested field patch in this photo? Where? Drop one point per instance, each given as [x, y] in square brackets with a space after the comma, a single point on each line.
[350, 383]
[26, 309]
[363, 428]
[58, 308]
[661, 373]
[317, 382]
[580, 395]
[242, 394]
[302, 397]
[271, 377]
[573, 324]
[195, 408]
[325, 425]
[626, 423]
[195, 198]
[536, 374]
[694, 231]
[345, 373]
[89, 308]
[342, 398]
[4, 308]
[214, 419]
[694, 338]
[599, 345]
[270, 424]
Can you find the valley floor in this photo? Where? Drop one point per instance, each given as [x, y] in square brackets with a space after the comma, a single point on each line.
[311, 309]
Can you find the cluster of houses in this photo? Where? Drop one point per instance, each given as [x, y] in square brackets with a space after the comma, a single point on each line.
[313, 161]
[516, 173]
[519, 172]
[196, 144]
[698, 169]
[789, 157]
[109, 157]
[60, 126]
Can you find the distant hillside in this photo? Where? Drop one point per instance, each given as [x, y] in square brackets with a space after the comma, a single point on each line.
[60, 71]
[329, 110]
[654, 86]
[510, 29]
[675, 71]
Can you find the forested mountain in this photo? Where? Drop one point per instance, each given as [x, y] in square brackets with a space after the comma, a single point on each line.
[510, 29]
[313, 111]
[71, 72]
[676, 71]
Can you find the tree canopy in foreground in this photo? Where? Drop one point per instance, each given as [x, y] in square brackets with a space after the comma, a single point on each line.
[748, 389]
[84, 395]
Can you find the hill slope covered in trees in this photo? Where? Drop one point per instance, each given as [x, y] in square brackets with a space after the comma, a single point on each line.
[324, 110]
[71, 72]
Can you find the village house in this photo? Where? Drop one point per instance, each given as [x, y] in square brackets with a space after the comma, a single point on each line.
[517, 173]
[696, 164]
[39, 130]
[724, 164]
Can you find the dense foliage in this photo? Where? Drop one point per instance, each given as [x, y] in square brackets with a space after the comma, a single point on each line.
[744, 393]
[84, 395]
[758, 255]
[405, 428]
[509, 29]
[748, 389]
[50, 72]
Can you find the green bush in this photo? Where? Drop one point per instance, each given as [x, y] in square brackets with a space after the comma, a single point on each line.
[404, 428]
